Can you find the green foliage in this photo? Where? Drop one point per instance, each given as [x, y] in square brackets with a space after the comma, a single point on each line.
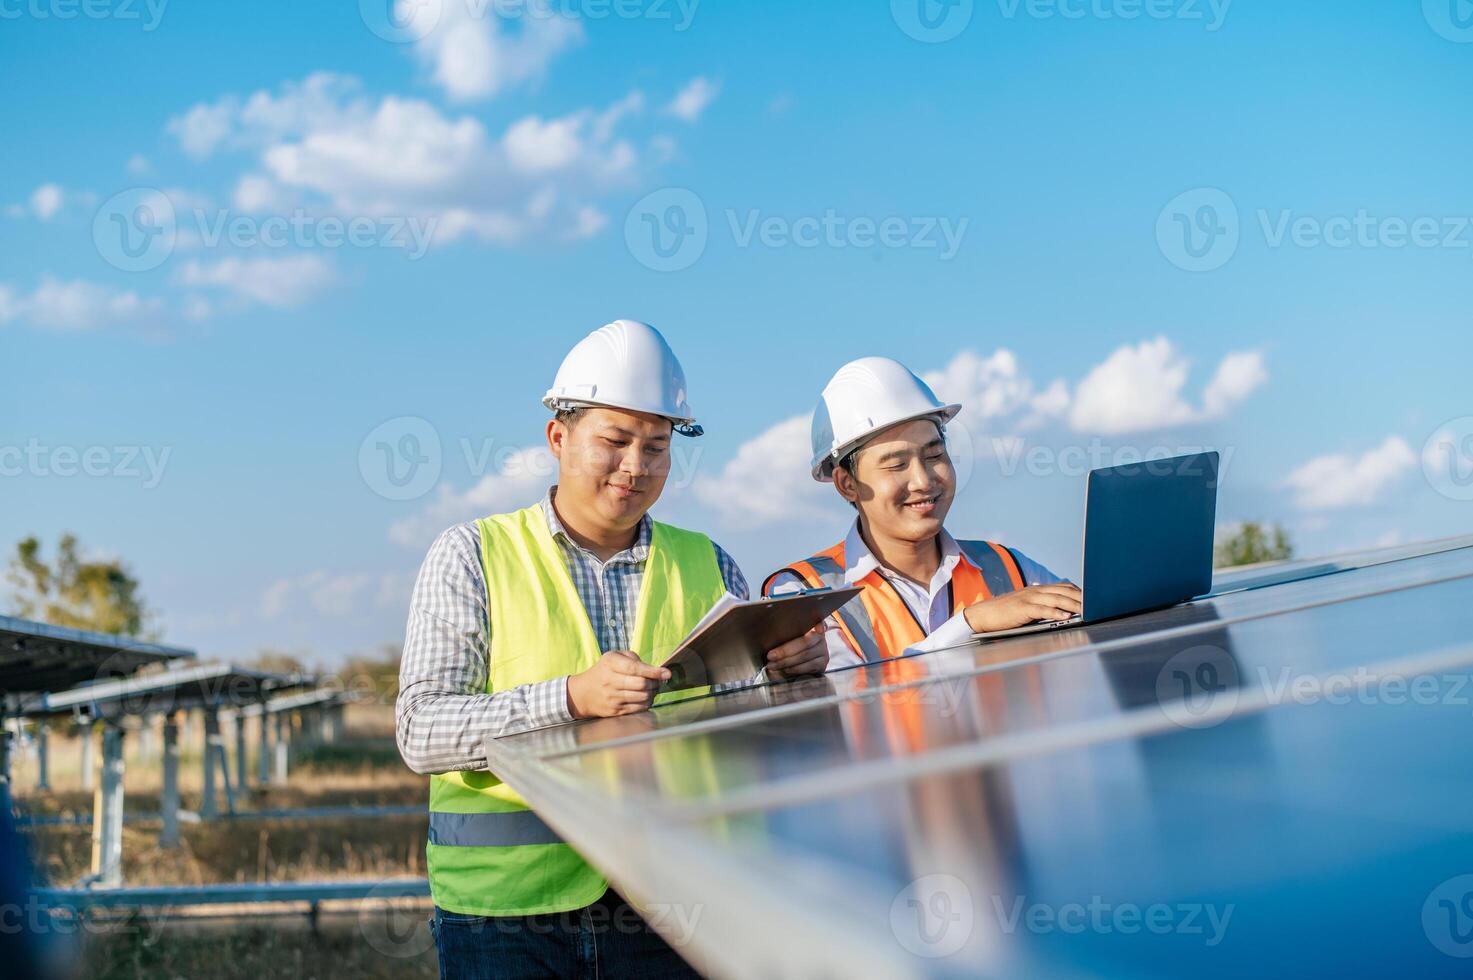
[90, 595]
[1251, 543]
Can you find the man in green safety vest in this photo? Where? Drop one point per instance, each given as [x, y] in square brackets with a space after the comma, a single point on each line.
[545, 615]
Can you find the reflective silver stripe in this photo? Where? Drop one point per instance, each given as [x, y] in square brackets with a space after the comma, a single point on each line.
[852, 614]
[511, 829]
[994, 572]
[829, 572]
[860, 628]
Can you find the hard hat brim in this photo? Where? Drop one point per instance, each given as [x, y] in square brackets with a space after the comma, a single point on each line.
[823, 467]
[555, 402]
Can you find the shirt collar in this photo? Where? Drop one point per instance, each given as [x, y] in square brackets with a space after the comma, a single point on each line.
[639, 552]
[859, 561]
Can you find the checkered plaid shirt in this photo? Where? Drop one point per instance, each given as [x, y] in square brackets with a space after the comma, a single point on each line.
[443, 712]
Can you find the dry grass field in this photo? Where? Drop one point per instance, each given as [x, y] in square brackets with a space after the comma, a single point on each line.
[361, 769]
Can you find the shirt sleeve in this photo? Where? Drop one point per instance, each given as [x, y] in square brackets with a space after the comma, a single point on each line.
[443, 712]
[957, 631]
[841, 654]
[731, 573]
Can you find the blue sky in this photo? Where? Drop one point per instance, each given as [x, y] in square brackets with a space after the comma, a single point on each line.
[1065, 147]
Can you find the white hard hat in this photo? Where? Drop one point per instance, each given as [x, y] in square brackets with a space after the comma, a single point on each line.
[865, 397]
[625, 364]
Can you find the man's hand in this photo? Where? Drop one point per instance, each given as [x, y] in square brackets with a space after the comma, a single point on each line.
[1025, 606]
[808, 654]
[619, 684]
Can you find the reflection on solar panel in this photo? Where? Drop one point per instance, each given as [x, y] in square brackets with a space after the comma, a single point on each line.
[1261, 782]
[40, 657]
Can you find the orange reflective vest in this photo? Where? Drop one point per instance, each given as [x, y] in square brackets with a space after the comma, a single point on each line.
[878, 623]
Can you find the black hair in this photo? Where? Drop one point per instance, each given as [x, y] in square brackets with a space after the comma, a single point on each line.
[569, 416]
[847, 463]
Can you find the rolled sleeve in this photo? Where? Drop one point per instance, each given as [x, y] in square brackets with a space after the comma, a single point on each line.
[443, 712]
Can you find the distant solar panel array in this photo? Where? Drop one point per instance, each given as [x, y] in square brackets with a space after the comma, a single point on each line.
[47, 672]
[38, 657]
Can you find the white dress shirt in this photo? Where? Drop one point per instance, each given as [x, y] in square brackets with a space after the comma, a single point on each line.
[928, 603]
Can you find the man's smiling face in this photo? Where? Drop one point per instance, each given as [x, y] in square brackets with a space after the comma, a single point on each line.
[612, 464]
[902, 480]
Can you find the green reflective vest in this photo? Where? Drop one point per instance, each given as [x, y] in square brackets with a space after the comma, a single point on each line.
[488, 853]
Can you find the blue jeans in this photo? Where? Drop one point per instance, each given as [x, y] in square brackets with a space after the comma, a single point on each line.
[604, 941]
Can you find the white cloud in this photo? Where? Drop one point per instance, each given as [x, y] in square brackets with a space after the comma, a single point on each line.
[767, 481]
[322, 143]
[46, 200]
[589, 222]
[1142, 387]
[1237, 377]
[1345, 480]
[332, 594]
[321, 99]
[203, 128]
[534, 146]
[261, 195]
[473, 54]
[1135, 388]
[74, 305]
[987, 387]
[523, 476]
[1053, 401]
[197, 309]
[690, 102]
[49, 200]
[138, 166]
[282, 282]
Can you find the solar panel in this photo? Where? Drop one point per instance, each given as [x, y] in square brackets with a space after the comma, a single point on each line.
[1051, 792]
[182, 688]
[37, 657]
[304, 699]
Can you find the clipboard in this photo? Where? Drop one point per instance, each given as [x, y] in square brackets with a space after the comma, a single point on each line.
[731, 643]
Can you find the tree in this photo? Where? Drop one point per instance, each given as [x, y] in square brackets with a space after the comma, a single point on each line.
[280, 662]
[1251, 543]
[89, 595]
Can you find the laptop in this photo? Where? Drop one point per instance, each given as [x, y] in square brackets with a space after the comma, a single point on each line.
[1148, 531]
